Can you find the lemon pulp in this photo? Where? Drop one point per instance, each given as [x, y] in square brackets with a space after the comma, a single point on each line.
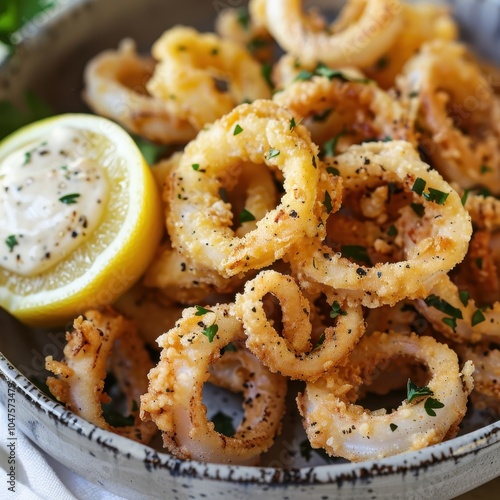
[113, 256]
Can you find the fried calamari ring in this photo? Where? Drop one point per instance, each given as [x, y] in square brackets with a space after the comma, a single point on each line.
[484, 210]
[434, 240]
[180, 280]
[293, 353]
[362, 35]
[352, 111]
[421, 23]
[486, 359]
[200, 222]
[458, 112]
[335, 422]
[241, 27]
[189, 64]
[174, 398]
[115, 86]
[96, 339]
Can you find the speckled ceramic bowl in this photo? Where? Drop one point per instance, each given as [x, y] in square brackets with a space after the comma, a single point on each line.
[50, 62]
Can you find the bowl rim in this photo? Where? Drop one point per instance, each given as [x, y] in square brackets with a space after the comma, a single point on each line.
[411, 461]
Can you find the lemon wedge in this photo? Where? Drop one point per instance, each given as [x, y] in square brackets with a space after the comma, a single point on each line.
[100, 191]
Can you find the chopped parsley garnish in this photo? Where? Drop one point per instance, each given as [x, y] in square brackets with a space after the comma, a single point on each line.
[200, 311]
[432, 404]
[273, 153]
[228, 348]
[336, 310]
[434, 195]
[266, 72]
[443, 306]
[196, 166]
[237, 130]
[451, 322]
[115, 418]
[330, 147]
[414, 94]
[304, 75]
[256, 43]
[464, 297]
[357, 252]
[27, 157]
[320, 341]
[69, 199]
[292, 123]
[419, 186]
[479, 263]
[11, 242]
[392, 231]
[477, 317]
[418, 208]
[323, 70]
[328, 202]
[210, 332]
[464, 197]
[246, 216]
[485, 169]
[413, 391]
[223, 424]
[393, 427]
[332, 170]
[243, 17]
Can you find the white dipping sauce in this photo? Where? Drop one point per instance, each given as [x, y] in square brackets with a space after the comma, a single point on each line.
[51, 197]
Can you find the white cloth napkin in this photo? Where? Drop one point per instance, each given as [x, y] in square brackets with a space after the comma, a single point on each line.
[38, 476]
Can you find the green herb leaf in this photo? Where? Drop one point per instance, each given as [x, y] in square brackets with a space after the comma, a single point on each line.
[464, 197]
[303, 75]
[479, 263]
[210, 332]
[419, 186]
[223, 424]
[70, 199]
[393, 427]
[196, 166]
[246, 216]
[292, 123]
[237, 130]
[356, 252]
[443, 306]
[320, 341]
[432, 404]
[464, 297]
[152, 152]
[451, 322]
[228, 348]
[485, 169]
[14, 118]
[477, 317]
[332, 170]
[413, 391]
[330, 147]
[256, 43]
[306, 451]
[11, 242]
[323, 70]
[266, 71]
[336, 310]
[273, 153]
[243, 17]
[436, 196]
[392, 231]
[418, 208]
[328, 202]
[200, 311]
